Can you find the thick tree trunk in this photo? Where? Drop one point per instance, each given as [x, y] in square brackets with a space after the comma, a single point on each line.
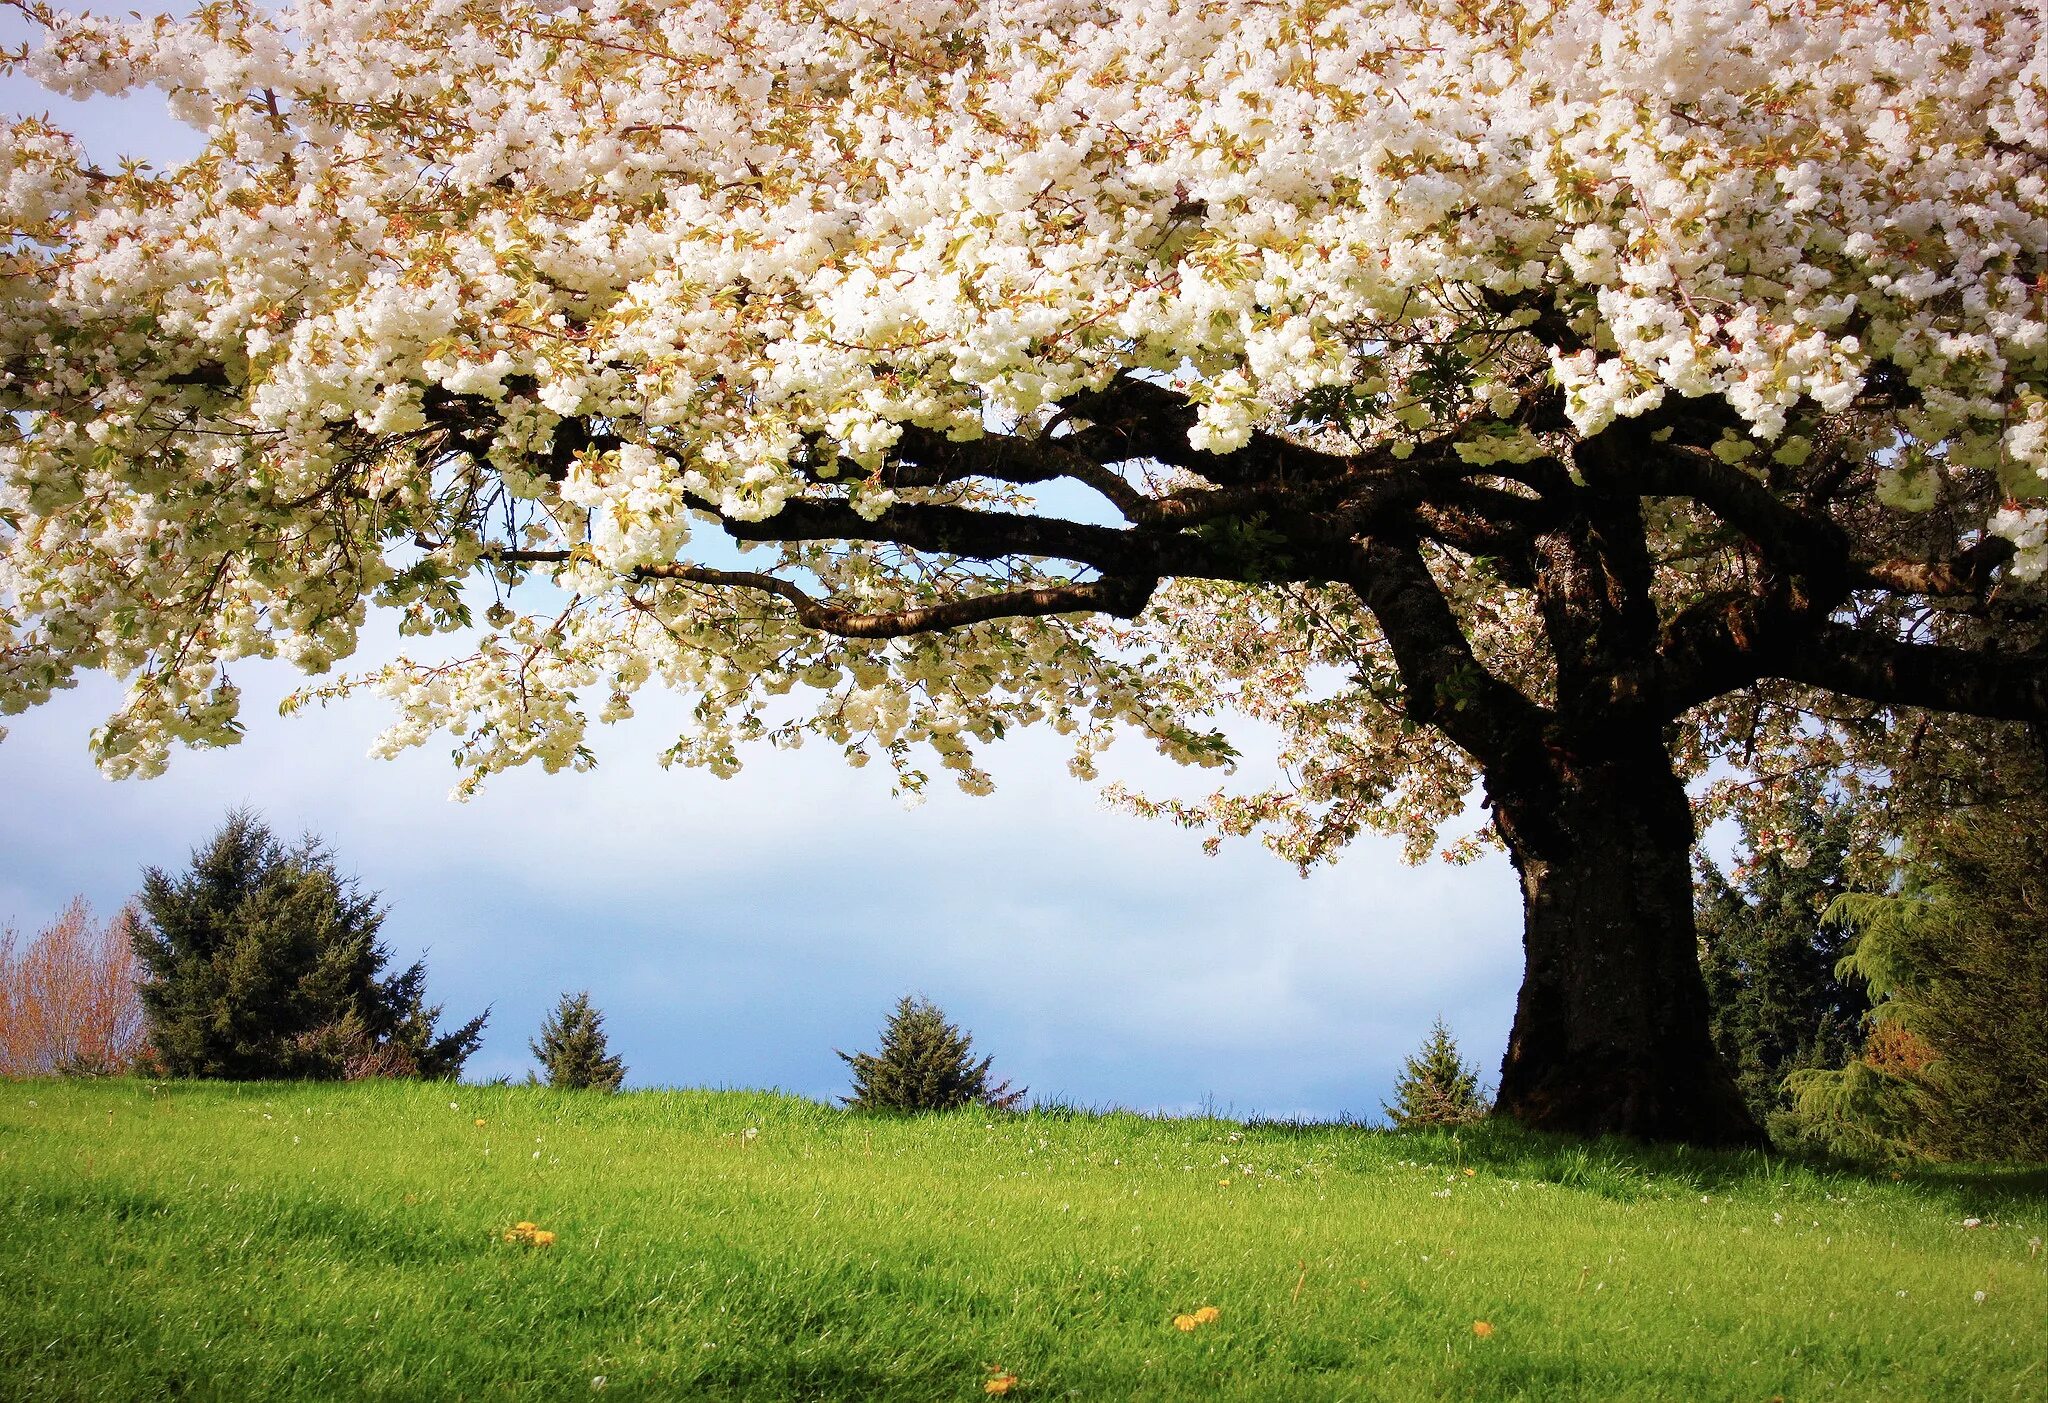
[1610, 1031]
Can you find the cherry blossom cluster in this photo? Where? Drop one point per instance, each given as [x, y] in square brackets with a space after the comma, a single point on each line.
[498, 314]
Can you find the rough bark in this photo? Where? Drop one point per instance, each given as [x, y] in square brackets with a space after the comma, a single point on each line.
[1611, 1032]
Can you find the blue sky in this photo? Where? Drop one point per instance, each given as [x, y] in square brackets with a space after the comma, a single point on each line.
[735, 932]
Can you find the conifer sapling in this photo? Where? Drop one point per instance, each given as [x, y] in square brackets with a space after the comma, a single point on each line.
[1436, 1087]
[924, 1064]
[572, 1049]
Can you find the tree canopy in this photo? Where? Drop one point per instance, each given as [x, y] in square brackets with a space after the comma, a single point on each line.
[1561, 396]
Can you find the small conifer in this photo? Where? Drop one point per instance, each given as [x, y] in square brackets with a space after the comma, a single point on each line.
[925, 1064]
[572, 1050]
[1436, 1087]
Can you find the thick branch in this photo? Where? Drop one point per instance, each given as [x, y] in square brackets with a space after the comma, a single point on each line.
[1124, 598]
[962, 531]
[1792, 542]
[925, 458]
[1718, 645]
[1135, 418]
[1859, 663]
[1968, 576]
[1445, 683]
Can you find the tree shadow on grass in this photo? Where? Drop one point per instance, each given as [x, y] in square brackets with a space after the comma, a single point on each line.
[280, 1226]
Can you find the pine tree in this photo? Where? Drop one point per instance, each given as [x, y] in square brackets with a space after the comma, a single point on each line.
[1436, 1087]
[572, 1049]
[263, 961]
[925, 1064]
[1768, 953]
[1956, 1065]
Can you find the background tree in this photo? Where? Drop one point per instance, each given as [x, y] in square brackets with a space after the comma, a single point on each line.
[573, 1052]
[1556, 402]
[924, 1064]
[1768, 948]
[261, 960]
[68, 1002]
[1957, 962]
[1435, 1087]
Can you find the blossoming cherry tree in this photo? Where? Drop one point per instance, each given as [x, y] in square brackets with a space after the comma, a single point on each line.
[1552, 398]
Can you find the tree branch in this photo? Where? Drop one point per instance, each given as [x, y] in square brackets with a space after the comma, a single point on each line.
[1125, 598]
[1859, 663]
[925, 458]
[1445, 683]
[1135, 418]
[1968, 576]
[1793, 542]
[977, 535]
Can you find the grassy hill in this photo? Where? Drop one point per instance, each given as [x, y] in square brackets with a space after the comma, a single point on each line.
[350, 1242]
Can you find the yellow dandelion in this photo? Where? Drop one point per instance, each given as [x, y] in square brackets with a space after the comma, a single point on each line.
[1481, 1329]
[1469, 1174]
[1185, 1323]
[1208, 1315]
[523, 1227]
[479, 1120]
[543, 1239]
[1002, 1382]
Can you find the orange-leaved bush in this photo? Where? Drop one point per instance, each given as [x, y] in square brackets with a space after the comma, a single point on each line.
[68, 1002]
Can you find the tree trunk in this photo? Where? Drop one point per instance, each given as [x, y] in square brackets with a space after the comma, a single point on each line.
[1611, 1031]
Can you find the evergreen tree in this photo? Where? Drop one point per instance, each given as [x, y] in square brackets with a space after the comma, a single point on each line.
[925, 1064]
[1768, 951]
[572, 1049]
[1957, 960]
[1436, 1087]
[263, 961]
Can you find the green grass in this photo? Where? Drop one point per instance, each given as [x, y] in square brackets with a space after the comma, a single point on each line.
[346, 1242]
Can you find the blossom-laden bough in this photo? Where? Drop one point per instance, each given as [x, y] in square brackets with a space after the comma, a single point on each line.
[1587, 388]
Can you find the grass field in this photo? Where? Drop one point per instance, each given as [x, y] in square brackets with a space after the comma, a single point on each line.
[273, 1241]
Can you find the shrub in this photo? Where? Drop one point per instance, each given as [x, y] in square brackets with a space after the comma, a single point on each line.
[262, 961]
[572, 1048]
[68, 999]
[1435, 1087]
[925, 1064]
